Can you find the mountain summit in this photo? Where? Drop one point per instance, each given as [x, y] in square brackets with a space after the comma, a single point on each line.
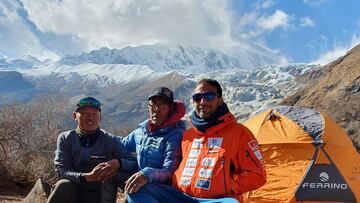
[166, 57]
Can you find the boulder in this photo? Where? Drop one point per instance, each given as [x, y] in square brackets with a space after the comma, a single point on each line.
[39, 193]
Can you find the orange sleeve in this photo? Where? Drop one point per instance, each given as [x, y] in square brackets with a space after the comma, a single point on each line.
[250, 173]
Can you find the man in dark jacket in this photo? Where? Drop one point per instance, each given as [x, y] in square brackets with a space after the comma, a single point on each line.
[87, 156]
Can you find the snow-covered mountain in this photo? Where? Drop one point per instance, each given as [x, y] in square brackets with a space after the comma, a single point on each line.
[165, 57]
[122, 79]
[104, 74]
[25, 63]
[123, 89]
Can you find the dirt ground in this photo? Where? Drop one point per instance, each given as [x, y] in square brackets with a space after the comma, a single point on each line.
[10, 199]
[11, 192]
[15, 199]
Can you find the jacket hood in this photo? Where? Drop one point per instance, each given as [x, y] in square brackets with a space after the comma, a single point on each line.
[174, 117]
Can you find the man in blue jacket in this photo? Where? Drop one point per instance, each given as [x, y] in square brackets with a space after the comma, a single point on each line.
[157, 142]
[87, 156]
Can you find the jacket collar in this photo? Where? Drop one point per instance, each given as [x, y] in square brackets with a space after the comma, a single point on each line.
[226, 120]
[174, 118]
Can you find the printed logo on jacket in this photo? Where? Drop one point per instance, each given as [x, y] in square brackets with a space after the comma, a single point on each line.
[254, 146]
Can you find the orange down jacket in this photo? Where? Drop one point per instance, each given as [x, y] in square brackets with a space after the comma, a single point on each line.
[225, 161]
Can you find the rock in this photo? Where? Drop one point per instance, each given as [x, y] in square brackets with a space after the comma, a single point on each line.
[39, 193]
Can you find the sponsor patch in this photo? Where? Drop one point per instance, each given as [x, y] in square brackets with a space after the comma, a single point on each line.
[197, 143]
[253, 145]
[205, 173]
[188, 171]
[208, 161]
[185, 181]
[194, 153]
[215, 142]
[204, 184]
[258, 155]
[191, 162]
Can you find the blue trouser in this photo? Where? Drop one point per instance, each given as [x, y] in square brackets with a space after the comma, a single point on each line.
[157, 193]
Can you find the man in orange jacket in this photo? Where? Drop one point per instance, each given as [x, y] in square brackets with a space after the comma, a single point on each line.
[221, 158]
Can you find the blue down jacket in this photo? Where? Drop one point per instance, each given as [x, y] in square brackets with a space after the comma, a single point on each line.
[158, 152]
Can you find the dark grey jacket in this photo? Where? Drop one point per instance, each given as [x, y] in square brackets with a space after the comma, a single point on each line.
[72, 159]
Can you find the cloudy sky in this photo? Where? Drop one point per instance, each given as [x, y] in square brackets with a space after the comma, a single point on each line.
[301, 30]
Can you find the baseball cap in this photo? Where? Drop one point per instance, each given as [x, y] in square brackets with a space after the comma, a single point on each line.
[88, 101]
[164, 93]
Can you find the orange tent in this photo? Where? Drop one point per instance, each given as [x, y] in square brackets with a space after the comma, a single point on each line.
[309, 158]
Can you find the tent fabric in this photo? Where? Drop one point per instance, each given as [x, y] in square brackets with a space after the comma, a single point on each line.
[308, 119]
[308, 157]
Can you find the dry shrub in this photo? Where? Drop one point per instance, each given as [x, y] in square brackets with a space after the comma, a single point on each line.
[28, 138]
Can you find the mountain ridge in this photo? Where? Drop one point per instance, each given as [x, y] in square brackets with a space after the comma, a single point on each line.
[336, 91]
[165, 57]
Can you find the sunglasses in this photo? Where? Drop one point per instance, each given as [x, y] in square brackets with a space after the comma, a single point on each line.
[208, 96]
[89, 101]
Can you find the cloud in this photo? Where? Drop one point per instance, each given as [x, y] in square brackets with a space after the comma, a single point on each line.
[16, 40]
[316, 3]
[278, 19]
[268, 3]
[256, 24]
[307, 22]
[337, 52]
[264, 4]
[119, 23]
[70, 27]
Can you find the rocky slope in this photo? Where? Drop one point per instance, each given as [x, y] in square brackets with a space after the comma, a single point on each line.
[334, 90]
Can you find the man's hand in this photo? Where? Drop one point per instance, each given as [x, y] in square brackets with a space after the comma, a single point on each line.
[135, 182]
[108, 170]
[94, 174]
[103, 171]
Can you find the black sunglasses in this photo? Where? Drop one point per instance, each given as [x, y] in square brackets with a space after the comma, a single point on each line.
[208, 96]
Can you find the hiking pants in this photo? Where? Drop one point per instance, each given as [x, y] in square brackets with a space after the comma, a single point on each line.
[67, 191]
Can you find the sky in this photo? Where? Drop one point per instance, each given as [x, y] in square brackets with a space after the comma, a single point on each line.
[303, 31]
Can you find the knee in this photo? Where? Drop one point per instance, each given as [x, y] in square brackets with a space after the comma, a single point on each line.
[65, 185]
[63, 191]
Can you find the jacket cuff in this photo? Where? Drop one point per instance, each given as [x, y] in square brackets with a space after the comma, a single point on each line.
[82, 178]
[120, 163]
[148, 173]
[128, 165]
